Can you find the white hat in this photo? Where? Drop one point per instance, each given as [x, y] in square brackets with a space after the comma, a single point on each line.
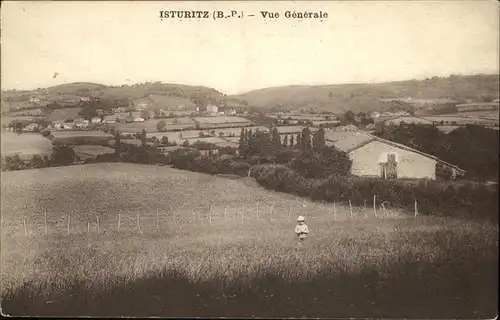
[301, 218]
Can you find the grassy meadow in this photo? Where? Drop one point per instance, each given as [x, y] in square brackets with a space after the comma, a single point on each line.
[179, 243]
[26, 145]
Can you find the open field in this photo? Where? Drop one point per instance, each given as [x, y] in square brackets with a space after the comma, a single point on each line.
[461, 120]
[63, 114]
[8, 119]
[79, 137]
[190, 244]
[89, 151]
[25, 145]
[218, 120]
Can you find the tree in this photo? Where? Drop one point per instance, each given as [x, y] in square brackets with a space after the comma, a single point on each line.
[37, 162]
[63, 155]
[118, 145]
[292, 141]
[88, 112]
[164, 140]
[349, 117]
[161, 126]
[143, 138]
[285, 141]
[145, 114]
[212, 132]
[12, 163]
[185, 143]
[305, 139]
[243, 143]
[319, 139]
[275, 139]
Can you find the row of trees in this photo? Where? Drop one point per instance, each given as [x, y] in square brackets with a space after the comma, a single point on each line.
[255, 143]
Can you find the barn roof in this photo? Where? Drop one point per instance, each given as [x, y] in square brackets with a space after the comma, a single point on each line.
[360, 139]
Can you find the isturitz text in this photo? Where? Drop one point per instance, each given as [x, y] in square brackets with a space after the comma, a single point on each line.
[184, 14]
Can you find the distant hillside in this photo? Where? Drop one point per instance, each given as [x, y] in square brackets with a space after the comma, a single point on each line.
[402, 95]
[159, 95]
[367, 97]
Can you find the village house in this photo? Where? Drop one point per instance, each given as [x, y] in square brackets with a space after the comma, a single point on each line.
[376, 157]
[212, 109]
[84, 99]
[96, 120]
[81, 124]
[138, 119]
[34, 100]
[110, 118]
[31, 127]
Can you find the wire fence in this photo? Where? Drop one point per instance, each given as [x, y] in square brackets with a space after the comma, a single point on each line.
[157, 221]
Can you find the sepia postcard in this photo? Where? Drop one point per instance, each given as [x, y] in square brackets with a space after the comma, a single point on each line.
[250, 159]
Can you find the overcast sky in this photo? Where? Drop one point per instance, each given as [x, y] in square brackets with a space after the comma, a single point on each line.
[125, 43]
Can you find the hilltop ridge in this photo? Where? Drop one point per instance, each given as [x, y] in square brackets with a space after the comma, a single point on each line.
[336, 98]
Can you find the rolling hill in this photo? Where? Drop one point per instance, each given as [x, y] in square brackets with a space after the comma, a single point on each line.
[367, 97]
[336, 98]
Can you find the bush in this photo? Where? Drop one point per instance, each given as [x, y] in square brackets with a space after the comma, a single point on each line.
[37, 162]
[433, 197]
[62, 155]
[12, 163]
[144, 155]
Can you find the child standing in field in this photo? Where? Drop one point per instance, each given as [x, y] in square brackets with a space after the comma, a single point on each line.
[301, 229]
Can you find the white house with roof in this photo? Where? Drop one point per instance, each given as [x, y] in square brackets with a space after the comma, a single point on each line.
[110, 118]
[372, 156]
[96, 120]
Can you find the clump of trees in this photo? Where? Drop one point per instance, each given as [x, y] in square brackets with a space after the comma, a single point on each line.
[472, 148]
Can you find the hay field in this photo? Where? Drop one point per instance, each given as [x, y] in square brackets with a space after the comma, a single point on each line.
[64, 114]
[80, 137]
[235, 256]
[219, 119]
[90, 151]
[25, 145]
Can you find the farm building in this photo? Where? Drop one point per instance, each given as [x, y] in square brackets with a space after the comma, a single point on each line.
[111, 118]
[376, 157]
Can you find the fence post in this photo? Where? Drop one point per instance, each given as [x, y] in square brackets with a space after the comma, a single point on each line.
[225, 213]
[334, 210]
[375, 205]
[242, 212]
[69, 219]
[157, 225]
[289, 211]
[45, 221]
[138, 223]
[192, 213]
[350, 209]
[271, 211]
[383, 208]
[97, 219]
[210, 215]
[88, 227]
[25, 228]
[416, 208]
[119, 220]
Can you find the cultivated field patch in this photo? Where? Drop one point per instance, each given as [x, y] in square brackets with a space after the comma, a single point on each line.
[25, 145]
[218, 120]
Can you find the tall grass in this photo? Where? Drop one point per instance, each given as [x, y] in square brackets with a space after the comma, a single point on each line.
[362, 267]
